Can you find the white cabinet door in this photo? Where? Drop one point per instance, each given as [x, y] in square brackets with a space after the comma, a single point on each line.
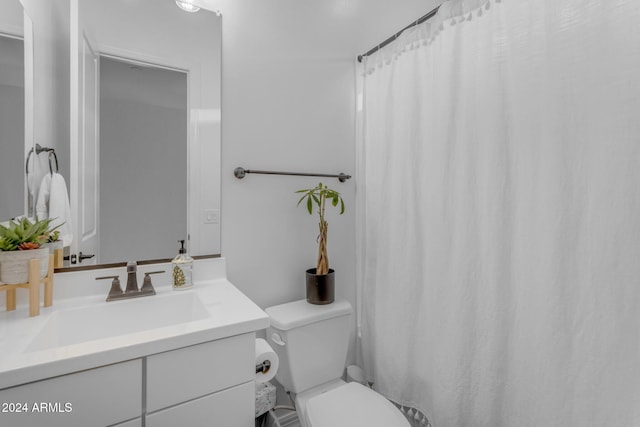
[191, 372]
[97, 397]
[229, 408]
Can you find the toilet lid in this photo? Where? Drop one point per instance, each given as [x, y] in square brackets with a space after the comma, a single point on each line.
[353, 405]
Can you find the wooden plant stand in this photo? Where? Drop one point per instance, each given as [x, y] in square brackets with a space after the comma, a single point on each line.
[33, 286]
[58, 258]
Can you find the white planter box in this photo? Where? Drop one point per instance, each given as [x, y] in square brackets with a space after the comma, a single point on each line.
[14, 265]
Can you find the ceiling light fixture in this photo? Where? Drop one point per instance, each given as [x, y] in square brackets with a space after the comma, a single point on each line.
[187, 6]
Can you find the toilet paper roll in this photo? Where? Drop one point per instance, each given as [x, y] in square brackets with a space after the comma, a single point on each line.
[266, 361]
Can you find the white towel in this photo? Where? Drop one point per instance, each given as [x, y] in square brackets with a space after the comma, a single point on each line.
[42, 202]
[53, 202]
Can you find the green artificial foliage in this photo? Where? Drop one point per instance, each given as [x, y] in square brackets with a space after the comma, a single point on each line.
[24, 234]
[318, 196]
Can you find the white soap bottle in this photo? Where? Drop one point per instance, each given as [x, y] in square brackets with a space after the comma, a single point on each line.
[182, 270]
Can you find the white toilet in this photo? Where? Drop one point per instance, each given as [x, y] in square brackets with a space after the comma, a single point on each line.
[311, 342]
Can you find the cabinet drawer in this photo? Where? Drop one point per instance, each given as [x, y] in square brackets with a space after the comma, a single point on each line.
[97, 397]
[191, 372]
[133, 423]
[229, 408]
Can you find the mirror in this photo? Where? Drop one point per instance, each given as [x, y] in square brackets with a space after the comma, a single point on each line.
[12, 98]
[141, 34]
[15, 105]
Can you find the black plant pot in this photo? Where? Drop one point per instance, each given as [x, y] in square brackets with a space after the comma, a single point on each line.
[321, 289]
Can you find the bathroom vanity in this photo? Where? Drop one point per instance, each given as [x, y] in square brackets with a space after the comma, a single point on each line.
[176, 358]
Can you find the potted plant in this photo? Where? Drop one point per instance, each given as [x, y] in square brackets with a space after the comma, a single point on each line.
[51, 240]
[321, 280]
[21, 242]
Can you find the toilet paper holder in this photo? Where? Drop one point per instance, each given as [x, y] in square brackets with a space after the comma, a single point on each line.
[263, 367]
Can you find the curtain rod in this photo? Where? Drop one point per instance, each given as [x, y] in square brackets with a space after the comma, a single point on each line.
[417, 22]
[240, 173]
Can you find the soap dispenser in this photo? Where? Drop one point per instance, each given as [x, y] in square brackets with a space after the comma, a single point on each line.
[182, 269]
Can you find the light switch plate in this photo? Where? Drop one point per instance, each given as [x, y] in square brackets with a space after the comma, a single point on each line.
[212, 216]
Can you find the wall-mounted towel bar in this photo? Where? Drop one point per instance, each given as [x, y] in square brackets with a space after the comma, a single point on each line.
[241, 172]
[39, 149]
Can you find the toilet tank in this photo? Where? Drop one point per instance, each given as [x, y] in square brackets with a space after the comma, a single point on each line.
[311, 342]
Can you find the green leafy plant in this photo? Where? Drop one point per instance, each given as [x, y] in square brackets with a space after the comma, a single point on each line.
[52, 236]
[23, 234]
[318, 196]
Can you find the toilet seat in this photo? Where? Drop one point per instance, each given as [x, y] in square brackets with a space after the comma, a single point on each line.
[350, 405]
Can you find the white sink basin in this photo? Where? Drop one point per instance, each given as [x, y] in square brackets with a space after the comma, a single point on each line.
[111, 319]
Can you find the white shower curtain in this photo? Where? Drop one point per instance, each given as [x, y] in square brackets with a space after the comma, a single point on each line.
[499, 208]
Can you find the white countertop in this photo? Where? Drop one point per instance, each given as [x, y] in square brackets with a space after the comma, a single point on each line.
[228, 312]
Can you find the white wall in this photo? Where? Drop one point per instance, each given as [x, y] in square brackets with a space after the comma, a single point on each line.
[288, 104]
[11, 17]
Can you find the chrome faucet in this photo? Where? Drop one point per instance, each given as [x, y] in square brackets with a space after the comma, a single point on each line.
[132, 290]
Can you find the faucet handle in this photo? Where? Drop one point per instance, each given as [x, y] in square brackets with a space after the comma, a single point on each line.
[116, 289]
[146, 283]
